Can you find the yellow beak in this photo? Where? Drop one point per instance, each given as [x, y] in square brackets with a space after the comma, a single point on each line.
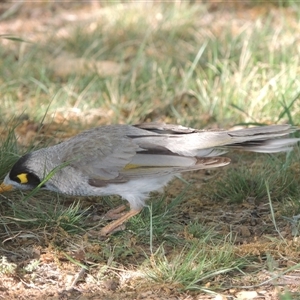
[5, 188]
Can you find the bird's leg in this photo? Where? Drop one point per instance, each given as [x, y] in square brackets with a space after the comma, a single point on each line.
[116, 213]
[111, 227]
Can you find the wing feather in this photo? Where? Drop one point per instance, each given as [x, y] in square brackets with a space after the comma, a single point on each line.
[139, 171]
[117, 153]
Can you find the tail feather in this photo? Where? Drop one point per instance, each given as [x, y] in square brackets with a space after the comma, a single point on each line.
[266, 146]
[209, 143]
[266, 139]
[270, 130]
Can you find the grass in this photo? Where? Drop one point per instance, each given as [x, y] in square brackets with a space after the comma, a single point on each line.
[199, 68]
[242, 182]
[196, 264]
[184, 63]
[7, 267]
[9, 150]
[157, 221]
[52, 215]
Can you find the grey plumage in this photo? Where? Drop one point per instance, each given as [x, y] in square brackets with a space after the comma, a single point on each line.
[132, 161]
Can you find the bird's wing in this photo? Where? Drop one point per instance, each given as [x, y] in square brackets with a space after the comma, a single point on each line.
[135, 171]
[163, 128]
[99, 156]
[116, 155]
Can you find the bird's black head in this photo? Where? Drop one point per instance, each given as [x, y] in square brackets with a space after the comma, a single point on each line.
[21, 176]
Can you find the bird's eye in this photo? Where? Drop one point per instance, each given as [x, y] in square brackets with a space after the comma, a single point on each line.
[23, 178]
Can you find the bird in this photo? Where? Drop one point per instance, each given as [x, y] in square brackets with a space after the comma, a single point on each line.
[134, 160]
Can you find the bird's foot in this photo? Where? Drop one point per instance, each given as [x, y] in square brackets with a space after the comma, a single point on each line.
[117, 224]
[116, 213]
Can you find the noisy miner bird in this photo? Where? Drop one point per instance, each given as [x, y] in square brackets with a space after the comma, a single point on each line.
[132, 161]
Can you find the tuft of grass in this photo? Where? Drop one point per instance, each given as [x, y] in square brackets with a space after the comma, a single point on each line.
[6, 267]
[291, 213]
[158, 221]
[287, 295]
[197, 263]
[48, 215]
[8, 150]
[32, 266]
[239, 183]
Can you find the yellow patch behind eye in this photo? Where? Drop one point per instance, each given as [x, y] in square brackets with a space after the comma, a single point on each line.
[23, 177]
